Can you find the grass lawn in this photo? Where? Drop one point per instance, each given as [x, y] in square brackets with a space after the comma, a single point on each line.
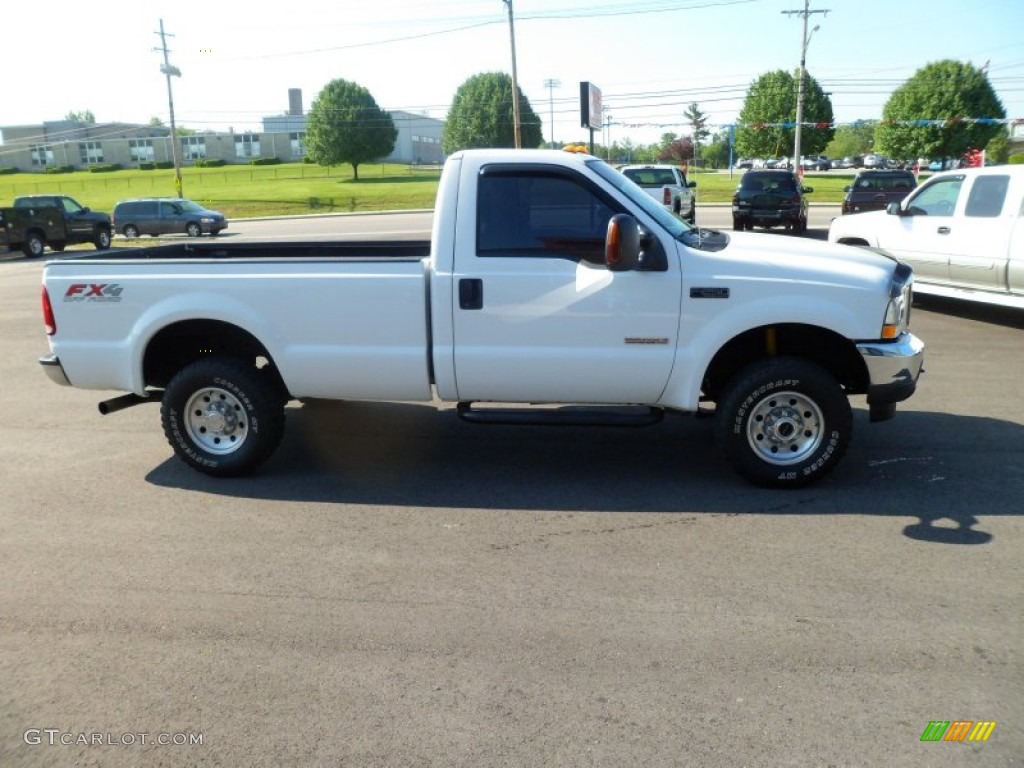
[244, 191]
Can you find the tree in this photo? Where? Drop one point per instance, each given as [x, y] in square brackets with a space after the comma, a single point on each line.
[345, 125]
[679, 151]
[696, 120]
[857, 138]
[716, 152]
[85, 116]
[770, 107]
[934, 113]
[481, 116]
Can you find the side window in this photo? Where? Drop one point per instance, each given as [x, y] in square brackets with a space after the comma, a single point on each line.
[938, 198]
[540, 215]
[168, 209]
[70, 206]
[987, 196]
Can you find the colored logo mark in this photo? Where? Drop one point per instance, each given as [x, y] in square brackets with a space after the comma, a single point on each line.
[958, 730]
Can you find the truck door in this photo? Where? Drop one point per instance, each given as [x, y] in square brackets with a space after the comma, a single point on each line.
[922, 238]
[538, 317]
[979, 239]
[79, 228]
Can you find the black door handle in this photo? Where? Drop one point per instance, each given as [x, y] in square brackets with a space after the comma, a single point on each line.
[471, 293]
[943, 230]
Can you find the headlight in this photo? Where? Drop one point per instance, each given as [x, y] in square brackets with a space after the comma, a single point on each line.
[206, 220]
[901, 296]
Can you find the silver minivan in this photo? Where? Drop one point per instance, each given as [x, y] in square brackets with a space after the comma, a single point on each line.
[166, 216]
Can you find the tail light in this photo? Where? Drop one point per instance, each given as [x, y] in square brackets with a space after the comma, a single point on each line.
[666, 196]
[48, 321]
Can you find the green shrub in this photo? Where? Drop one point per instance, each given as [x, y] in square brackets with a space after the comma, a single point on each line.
[5, 169]
[211, 163]
[264, 161]
[147, 166]
[59, 169]
[1017, 159]
[104, 167]
[164, 164]
[308, 160]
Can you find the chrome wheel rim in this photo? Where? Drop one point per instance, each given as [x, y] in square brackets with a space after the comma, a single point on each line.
[785, 428]
[216, 421]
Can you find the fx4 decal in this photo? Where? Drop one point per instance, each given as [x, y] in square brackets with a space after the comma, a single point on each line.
[105, 292]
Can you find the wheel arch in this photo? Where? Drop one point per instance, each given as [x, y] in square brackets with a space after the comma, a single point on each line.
[821, 346]
[183, 342]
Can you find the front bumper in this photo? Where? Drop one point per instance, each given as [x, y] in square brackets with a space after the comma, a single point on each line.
[893, 369]
[54, 370]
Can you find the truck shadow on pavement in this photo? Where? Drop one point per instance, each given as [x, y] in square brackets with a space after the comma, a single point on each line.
[940, 468]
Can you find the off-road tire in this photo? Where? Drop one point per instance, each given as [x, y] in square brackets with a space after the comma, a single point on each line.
[783, 422]
[223, 416]
[102, 239]
[34, 245]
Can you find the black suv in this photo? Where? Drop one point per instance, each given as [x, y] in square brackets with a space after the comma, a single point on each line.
[874, 190]
[770, 199]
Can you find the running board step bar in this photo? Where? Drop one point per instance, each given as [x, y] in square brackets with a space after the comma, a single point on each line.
[569, 415]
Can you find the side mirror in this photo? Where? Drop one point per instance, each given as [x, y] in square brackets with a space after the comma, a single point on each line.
[85, 209]
[622, 243]
[692, 184]
[893, 209]
[847, 188]
[806, 190]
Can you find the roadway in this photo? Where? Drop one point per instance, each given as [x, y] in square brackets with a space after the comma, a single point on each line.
[398, 588]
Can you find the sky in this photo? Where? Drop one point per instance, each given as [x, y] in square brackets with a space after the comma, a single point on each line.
[650, 58]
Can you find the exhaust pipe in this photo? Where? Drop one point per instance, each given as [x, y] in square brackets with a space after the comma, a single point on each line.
[127, 401]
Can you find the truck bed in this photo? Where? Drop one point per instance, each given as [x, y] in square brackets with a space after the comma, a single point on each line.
[305, 250]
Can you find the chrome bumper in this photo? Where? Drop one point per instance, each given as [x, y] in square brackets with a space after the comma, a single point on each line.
[54, 370]
[893, 369]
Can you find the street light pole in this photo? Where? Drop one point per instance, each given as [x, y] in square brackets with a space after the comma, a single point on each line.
[804, 40]
[515, 78]
[551, 84]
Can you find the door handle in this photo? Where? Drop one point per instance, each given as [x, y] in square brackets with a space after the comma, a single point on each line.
[471, 293]
[943, 230]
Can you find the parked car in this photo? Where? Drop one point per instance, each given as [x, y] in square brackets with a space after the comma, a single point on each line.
[744, 163]
[874, 161]
[166, 216]
[780, 163]
[770, 198]
[820, 163]
[853, 161]
[962, 231]
[37, 221]
[874, 190]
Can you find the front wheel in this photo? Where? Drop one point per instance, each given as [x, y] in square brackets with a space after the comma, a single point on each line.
[193, 229]
[102, 239]
[222, 416]
[783, 422]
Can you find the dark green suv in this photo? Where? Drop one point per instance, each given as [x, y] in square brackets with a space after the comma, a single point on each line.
[768, 198]
[874, 190]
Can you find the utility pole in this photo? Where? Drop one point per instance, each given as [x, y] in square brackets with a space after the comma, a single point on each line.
[551, 84]
[515, 78]
[805, 13]
[170, 70]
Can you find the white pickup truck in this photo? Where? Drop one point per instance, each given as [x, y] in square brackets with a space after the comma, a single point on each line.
[668, 185]
[962, 231]
[553, 290]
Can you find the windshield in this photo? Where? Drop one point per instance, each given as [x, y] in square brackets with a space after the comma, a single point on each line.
[673, 224]
[188, 205]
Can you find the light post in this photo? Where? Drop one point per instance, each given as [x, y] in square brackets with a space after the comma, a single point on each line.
[515, 78]
[551, 84]
[805, 14]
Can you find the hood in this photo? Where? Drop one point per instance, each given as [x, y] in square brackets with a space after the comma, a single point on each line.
[861, 225]
[776, 257]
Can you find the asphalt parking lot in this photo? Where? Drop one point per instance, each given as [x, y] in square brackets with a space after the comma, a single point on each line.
[398, 588]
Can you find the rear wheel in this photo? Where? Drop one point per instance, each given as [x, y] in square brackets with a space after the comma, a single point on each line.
[783, 422]
[58, 246]
[131, 231]
[34, 245]
[193, 229]
[223, 416]
[737, 224]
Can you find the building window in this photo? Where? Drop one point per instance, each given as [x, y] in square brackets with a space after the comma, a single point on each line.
[193, 147]
[91, 151]
[298, 142]
[42, 155]
[247, 145]
[141, 150]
